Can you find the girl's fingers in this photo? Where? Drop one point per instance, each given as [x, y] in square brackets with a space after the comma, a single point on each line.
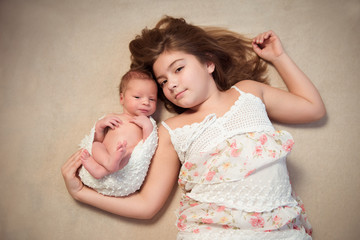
[262, 37]
[72, 164]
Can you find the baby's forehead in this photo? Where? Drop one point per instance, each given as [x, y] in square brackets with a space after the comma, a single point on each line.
[141, 84]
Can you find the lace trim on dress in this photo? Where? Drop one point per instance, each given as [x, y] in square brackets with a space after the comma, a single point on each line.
[246, 195]
[230, 234]
[247, 114]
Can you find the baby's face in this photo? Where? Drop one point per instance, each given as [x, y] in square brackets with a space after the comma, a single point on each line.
[140, 97]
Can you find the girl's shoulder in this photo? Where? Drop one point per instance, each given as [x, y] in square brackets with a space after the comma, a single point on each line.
[251, 86]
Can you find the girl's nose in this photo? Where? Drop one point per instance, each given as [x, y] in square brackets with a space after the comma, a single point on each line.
[172, 84]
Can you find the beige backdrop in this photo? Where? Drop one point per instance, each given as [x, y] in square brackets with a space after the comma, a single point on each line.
[60, 63]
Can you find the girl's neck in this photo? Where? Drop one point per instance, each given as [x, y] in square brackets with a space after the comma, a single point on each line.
[209, 105]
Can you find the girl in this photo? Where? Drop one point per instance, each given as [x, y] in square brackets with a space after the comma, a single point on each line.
[233, 172]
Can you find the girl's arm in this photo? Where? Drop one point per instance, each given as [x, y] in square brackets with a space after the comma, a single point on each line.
[144, 204]
[302, 102]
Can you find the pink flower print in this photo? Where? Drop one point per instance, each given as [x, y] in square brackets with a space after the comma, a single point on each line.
[226, 226]
[196, 230]
[220, 209]
[183, 173]
[277, 220]
[258, 151]
[181, 225]
[188, 165]
[217, 151]
[257, 221]
[235, 152]
[288, 145]
[210, 175]
[250, 172]
[302, 207]
[296, 227]
[272, 153]
[196, 174]
[263, 139]
[207, 220]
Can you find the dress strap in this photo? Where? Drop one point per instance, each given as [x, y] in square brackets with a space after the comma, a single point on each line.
[237, 89]
[166, 126]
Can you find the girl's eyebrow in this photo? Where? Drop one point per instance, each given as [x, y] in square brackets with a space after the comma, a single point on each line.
[170, 66]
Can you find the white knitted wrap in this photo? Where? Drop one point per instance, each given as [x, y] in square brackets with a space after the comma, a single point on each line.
[131, 177]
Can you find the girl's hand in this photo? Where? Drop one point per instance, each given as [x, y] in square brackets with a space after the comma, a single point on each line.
[69, 172]
[267, 45]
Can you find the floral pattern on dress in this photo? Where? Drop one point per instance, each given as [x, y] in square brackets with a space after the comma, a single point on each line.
[235, 159]
[234, 155]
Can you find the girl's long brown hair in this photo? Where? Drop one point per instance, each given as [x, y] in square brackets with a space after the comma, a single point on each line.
[231, 52]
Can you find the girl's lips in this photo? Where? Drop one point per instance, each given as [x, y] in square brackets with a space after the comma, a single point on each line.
[180, 94]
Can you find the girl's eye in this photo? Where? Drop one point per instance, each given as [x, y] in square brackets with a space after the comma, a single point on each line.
[179, 69]
[162, 84]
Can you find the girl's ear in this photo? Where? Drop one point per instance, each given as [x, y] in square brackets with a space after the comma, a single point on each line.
[210, 66]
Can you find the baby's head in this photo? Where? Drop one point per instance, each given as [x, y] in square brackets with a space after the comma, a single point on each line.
[138, 93]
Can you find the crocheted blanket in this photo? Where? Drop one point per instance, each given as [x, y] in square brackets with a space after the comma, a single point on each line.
[131, 177]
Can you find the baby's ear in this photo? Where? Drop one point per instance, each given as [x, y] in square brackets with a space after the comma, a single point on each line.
[121, 98]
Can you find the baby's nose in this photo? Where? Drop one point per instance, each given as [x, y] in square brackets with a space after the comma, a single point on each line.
[146, 101]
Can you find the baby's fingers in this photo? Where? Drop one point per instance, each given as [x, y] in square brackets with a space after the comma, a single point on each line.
[115, 122]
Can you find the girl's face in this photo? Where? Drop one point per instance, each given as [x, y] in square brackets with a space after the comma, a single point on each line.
[140, 97]
[185, 81]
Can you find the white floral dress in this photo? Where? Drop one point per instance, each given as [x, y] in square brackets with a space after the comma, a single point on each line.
[234, 177]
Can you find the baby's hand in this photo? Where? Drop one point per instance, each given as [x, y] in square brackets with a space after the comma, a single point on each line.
[111, 121]
[142, 121]
[145, 123]
[268, 46]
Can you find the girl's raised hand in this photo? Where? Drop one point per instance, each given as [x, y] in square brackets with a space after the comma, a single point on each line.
[268, 46]
[69, 172]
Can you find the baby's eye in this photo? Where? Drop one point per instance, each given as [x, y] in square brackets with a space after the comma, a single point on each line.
[153, 99]
[136, 97]
[162, 84]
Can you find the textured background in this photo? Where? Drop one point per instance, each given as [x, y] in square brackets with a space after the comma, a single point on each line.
[60, 64]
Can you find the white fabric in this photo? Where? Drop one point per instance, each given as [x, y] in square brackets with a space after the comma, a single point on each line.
[225, 188]
[245, 235]
[248, 114]
[131, 177]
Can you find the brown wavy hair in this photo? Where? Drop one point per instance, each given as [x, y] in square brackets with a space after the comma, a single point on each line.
[231, 52]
